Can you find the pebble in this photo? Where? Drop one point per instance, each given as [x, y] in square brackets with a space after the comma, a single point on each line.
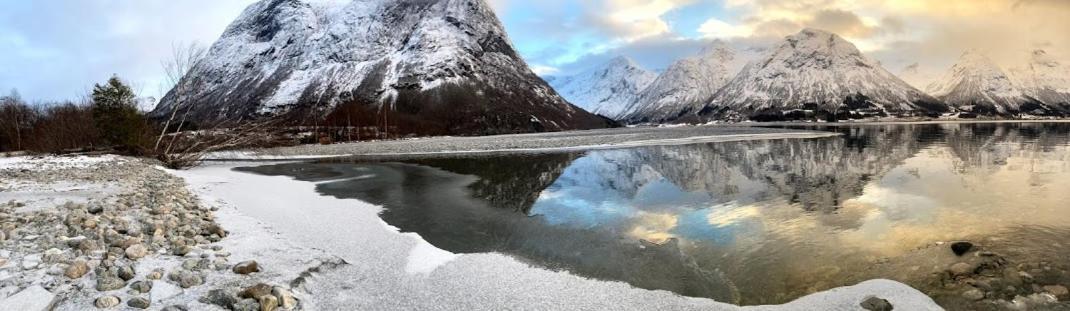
[77, 269]
[175, 308]
[106, 302]
[141, 286]
[961, 269]
[256, 291]
[268, 303]
[188, 279]
[247, 267]
[220, 297]
[127, 273]
[973, 294]
[871, 303]
[1058, 291]
[960, 248]
[136, 251]
[139, 303]
[109, 283]
[247, 305]
[286, 298]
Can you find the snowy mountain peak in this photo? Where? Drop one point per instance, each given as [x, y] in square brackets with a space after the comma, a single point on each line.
[445, 66]
[1046, 79]
[606, 89]
[977, 85]
[688, 83]
[814, 74]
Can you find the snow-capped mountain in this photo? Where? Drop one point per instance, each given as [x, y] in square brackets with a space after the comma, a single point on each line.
[1045, 79]
[688, 83]
[975, 84]
[446, 66]
[606, 89]
[815, 74]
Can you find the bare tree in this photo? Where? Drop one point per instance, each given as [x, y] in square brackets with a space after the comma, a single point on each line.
[16, 118]
[183, 59]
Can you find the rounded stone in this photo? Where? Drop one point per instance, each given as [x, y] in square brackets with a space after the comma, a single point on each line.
[106, 302]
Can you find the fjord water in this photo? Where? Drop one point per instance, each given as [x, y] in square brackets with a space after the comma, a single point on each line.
[750, 222]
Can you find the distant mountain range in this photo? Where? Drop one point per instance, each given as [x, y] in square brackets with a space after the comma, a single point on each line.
[817, 75]
[607, 89]
[447, 67]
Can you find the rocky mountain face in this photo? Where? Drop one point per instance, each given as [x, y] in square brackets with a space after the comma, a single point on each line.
[607, 89]
[814, 75]
[975, 85]
[441, 66]
[688, 83]
[1045, 79]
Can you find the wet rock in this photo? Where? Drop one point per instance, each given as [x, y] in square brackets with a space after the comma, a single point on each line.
[961, 269]
[34, 298]
[138, 303]
[247, 305]
[876, 304]
[106, 302]
[136, 251]
[256, 291]
[77, 269]
[974, 294]
[960, 248]
[286, 298]
[1058, 291]
[175, 308]
[141, 286]
[247, 267]
[109, 283]
[96, 209]
[220, 297]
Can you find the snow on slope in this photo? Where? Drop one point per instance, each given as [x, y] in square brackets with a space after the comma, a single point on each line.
[446, 63]
[814, 74]
[1045, 79]
[689, 83]
[606, 89]
[975, 84]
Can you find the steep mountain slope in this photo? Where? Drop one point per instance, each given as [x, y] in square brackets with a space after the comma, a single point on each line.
[606, 89]
[1045, 79]
[437, 66]
[815, 75]
[688, 83]
[976, 85]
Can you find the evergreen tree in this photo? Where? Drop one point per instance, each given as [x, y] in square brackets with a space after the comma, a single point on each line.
[116, 115]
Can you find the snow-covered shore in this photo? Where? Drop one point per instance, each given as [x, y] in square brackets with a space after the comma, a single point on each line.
[109, 232]
[389, 270]
[334, 254]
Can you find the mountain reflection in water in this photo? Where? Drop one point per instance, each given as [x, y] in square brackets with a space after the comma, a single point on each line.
[751, 222]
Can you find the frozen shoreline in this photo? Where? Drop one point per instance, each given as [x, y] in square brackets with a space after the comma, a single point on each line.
[391, 270]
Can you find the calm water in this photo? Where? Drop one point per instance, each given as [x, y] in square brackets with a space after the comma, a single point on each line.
[752, 222]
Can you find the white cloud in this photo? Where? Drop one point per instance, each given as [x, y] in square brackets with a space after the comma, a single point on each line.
[715, 28]
[543, 70]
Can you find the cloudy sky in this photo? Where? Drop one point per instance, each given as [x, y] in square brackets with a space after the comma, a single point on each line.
[56, 49]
